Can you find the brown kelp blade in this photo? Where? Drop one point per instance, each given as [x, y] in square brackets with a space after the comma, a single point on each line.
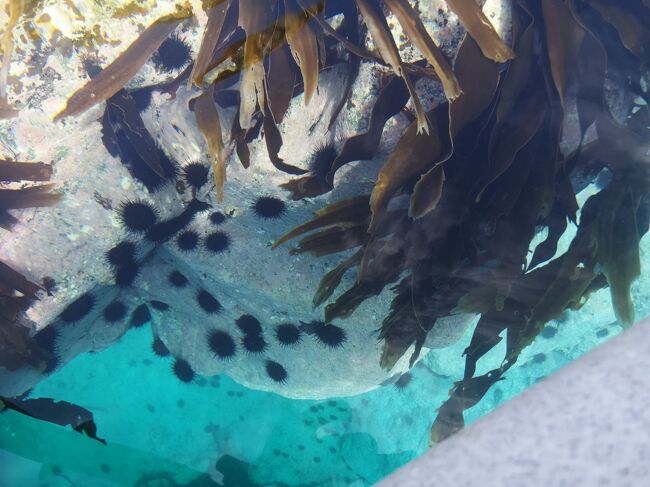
[11, 171]
[427, 192]
[216, 16]
[618, 254]
[482, 31]
[332, 279]
[112, 78]
[410, 21]
[353, 210]
[303, 44]
[255, 17]
[6, 110]
[412, 156]
[30, 197]
[208, 122]
[332, 240]
[563, 36]
[387, 48]
[391, 100]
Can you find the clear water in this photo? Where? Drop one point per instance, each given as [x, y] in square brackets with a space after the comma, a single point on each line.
[348, 409]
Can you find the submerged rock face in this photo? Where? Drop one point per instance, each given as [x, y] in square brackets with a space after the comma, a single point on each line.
[226, 262]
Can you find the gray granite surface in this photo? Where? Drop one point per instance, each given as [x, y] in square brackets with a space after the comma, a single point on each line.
[587, 425]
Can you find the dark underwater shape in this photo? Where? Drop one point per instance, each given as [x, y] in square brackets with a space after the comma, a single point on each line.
[208, 302]
[188, 240]
[165, 230]
[125, 136]
[221, 344]
[125, 275]
[249, 325]
[122, 254]
[269, 207]
[49, 284]
[322, 158]
[217, 242]
[403, 381]
[254, 343]
[46, 339]
[159, 348]
[159, 305]
[330, 335]
[217, 218]
[276, 372]
[138, 215]
[78, 309]
[287, 334]
[177, 279]
[140, 316]
[174, 53]
[196, 174]
[114, 312]
[183, 370]
[142, 97]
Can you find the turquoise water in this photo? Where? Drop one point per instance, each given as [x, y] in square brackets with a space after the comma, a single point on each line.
[159, 428]
[368, 176]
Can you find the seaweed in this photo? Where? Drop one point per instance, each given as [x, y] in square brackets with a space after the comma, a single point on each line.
[113, 78]
[484, 179]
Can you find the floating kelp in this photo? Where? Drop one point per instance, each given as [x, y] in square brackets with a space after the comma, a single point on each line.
[485, 177]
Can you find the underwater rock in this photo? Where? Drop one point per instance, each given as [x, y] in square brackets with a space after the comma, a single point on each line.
[233, 266]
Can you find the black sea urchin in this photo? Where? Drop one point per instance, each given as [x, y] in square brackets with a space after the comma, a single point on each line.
[217, 242]
[276, 372]
[269, 207]
[125, 275]
[159, 305]
[403, 381]
[137, 216]
[221, 344]
[322, 158]
[254, 343]
[78, 309]
[217, 218]
[330, 335]
[123, 254]
[173, 54]
[287, 334]
[187, 240]
[159, 348]
[177, 279]
[196, 174]
[249, 325]
[208, 302]
[114, 312]
[183, 370]
[140, 316]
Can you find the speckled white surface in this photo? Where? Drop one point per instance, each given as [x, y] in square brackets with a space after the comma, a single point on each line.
[587, 425]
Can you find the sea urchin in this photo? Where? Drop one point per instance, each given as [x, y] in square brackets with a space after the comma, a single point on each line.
[137, 216]
[287, 334]
[249, 325]
[173, 54]
[183, 370]
[196, 174]
[222, 344]
[217, 242]
[276, 372]
[269, 207]
[79, 308]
